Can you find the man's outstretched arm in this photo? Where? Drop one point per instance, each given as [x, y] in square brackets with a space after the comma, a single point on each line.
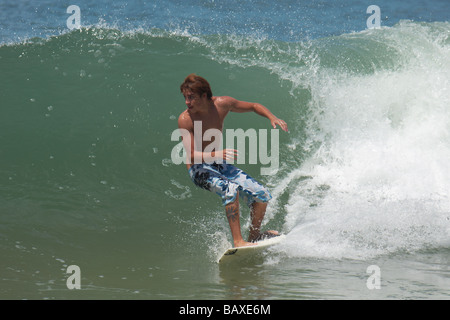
[243, 106]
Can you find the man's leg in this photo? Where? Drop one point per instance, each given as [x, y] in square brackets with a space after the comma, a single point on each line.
[258, 211]
[232, 211]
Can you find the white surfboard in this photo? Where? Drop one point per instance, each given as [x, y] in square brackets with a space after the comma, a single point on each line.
[241, 252]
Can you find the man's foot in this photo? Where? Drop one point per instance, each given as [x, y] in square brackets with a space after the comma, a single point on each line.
[265, 235]
[243, 244]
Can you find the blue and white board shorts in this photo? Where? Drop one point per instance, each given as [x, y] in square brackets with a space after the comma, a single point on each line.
[227, 181]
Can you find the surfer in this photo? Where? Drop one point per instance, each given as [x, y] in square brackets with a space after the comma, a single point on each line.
[209, 169]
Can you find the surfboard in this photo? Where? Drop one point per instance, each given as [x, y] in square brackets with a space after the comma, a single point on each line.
[232, 254]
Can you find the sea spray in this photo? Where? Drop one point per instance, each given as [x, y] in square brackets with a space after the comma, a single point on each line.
[377, 181]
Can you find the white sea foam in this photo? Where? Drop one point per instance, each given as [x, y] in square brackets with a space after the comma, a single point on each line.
[379, 180]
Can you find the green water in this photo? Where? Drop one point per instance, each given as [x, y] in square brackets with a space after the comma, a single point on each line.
[86, 176]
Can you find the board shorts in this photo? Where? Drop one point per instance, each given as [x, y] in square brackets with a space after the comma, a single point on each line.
[227, 181]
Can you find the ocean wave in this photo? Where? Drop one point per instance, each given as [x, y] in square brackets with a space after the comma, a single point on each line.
[87, 115]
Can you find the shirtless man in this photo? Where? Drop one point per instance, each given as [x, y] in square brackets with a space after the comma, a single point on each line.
[212, 172]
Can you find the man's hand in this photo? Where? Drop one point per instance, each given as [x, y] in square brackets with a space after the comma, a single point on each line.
[281, 123]
[229, 154]
[225, 154]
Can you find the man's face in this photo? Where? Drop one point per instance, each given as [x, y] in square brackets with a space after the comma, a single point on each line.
[191, 99]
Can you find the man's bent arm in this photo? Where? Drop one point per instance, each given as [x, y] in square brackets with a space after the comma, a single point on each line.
[243, 106]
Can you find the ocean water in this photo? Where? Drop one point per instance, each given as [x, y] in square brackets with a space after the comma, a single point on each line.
[87, 179]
